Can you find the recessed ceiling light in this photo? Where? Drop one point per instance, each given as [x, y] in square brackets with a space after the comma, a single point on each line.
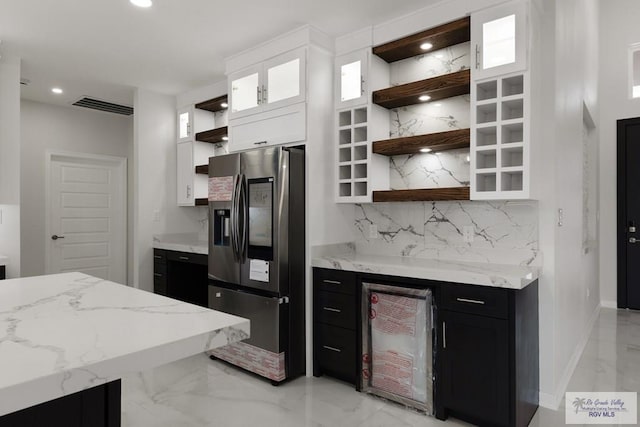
[425, 150]
[424, 98]
[468, 159]
[224, 105]
[141, 3]
[426, 46]
[225, 138]
[56, 90]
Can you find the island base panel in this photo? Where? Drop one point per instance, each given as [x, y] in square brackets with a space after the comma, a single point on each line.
[95, 407]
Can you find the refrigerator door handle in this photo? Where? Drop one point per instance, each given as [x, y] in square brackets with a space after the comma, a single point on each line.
[234, 219]
[242, 250]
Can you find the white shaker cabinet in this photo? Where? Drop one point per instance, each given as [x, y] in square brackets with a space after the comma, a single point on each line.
[185, 174]
[351, 72]
[499, 40]
[274, 83]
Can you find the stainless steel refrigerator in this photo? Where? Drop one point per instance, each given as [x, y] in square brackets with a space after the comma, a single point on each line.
[256, 256]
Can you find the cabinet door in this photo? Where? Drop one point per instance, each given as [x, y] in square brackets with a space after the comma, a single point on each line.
[185, 124]
[185, 174]
[351, 79]
[474, 354]
[245, 92]
[499, 37]
[284, 79]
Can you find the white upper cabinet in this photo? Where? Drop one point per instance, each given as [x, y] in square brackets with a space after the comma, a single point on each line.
[275, 83]
[499, 38]
[245, 90]
[185, 124]
[185, 176]
[351, 70]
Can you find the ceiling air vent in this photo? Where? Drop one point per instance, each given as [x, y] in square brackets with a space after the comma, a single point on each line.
[109, 107]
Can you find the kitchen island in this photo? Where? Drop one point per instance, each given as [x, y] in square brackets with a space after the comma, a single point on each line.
[67, 339]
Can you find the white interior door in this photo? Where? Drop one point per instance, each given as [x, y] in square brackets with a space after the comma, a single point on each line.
[87, 216]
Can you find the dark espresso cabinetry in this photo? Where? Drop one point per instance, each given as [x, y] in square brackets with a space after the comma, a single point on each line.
[485, 338]
[181, 275]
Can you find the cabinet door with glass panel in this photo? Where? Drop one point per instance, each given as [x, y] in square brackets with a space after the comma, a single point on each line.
[351, 70]
[499, 38]
[185, 124]
[275, 83]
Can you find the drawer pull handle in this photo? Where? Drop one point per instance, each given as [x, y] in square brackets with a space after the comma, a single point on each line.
[334, 310]
[444, 334]
[470, 301]
[184, 258]
[157, 274]
[157, 256]
[332, 282]
[337, 350]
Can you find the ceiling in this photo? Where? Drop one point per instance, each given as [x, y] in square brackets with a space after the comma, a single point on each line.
[106, 48]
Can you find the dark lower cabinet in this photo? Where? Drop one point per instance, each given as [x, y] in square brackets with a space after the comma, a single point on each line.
[334, 326]
[95, 407]
[486, 361]
[2, 272]
[181, 275]
[475, 366]
[488, 354]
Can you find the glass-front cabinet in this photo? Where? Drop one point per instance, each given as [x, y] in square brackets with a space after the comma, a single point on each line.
[275, 83]
[185, 124]
[351, 70]
[498, 36]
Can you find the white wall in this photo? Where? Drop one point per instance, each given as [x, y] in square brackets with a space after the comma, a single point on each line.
[619, 29]
[10, 163]
[155, 182]
[570, 63]
[53, 127]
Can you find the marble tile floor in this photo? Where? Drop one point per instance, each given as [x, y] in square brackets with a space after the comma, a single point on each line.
[199, 392]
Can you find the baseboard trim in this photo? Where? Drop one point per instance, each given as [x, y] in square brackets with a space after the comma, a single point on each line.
[553, 401]
[609, 304]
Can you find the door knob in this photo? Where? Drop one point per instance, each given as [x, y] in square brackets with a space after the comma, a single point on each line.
[56, 237]
[632, 240]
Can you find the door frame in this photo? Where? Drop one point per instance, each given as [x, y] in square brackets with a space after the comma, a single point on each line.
[622, 208]
[118, 162]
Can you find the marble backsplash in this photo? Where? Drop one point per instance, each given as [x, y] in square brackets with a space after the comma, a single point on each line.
[503, 232]
[446, 169]
[439, 116]
[431, 64]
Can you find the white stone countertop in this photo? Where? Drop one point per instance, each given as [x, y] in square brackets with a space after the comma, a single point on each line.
[63, 333]
[186, 242]
[473, 273]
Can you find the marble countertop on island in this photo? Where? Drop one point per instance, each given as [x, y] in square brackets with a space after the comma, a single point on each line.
[472, 273]
[64, 333]
[185, 242]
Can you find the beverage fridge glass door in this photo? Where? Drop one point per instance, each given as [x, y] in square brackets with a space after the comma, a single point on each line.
[397, 344]
[224, 179]
[265, 196]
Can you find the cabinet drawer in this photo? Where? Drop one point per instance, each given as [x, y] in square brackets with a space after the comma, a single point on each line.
[187, 257]
[160, 256]
[336, 351]
[159, 270]
[480, 300]
[336, 309]
[160, 285]
[343, 282]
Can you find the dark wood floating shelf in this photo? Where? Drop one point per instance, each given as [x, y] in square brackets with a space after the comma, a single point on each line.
[440, 141]
[440, 37]
[422, 195]
[214, 105]
[202, 169]
[446, 86]
[202, 202]
[213, 136]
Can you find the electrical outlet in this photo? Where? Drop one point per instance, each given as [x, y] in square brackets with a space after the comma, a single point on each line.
[467, 234]
[373, 231]
[156, 215]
